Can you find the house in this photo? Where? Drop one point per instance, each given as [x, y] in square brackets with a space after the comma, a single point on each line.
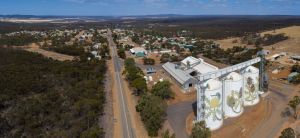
[138, 51]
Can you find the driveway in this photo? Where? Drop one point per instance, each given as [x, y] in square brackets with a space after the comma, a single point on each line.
[177, 115]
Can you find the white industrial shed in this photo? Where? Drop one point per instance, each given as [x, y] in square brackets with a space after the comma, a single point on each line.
[190, 65]
[184, 79]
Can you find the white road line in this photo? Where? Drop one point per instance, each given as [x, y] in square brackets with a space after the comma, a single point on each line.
[120, 88]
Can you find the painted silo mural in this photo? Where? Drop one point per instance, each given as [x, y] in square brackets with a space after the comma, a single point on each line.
[213, 104]
[233, 93]
[251, 82]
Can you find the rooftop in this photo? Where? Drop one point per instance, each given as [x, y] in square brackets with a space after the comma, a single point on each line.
[180, 75]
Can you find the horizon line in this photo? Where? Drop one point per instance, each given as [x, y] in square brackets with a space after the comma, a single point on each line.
[153, 15]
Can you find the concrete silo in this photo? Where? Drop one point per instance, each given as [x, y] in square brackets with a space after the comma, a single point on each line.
[232, 88]
[251, 85]
[213, 104]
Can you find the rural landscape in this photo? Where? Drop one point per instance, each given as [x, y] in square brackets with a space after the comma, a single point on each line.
[143, 76]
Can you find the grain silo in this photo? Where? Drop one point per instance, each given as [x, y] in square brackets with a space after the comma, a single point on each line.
[233, 102]
[251, 83]
[213, 104]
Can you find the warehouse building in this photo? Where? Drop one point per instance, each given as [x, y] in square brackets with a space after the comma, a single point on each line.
[185, 72]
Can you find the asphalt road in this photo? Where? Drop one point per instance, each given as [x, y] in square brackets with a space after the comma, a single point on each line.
[177, 115]
[127, 131]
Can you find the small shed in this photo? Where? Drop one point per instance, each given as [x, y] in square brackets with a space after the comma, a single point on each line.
[150, 70]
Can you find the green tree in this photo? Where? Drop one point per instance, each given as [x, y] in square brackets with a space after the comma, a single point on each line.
[163, 90]
[287, 133]
[121, 53]
[93, 132]
[294, 104]
[152, 111]
[140, 85]
[149, 61]
[167, 134]
[200, 130]
[165, 58]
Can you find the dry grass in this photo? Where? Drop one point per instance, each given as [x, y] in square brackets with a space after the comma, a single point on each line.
[228, 42]
[50, 54]
[292, 45]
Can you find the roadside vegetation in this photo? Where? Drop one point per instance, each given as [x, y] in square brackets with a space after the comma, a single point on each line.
[167, 134]
[151, 104]
[152, 110]
[288, 133]
[134, 75]
[41, 97]
[200, 130]
[121, 53]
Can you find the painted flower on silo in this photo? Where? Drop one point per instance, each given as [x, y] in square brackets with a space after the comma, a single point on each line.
[250, 84]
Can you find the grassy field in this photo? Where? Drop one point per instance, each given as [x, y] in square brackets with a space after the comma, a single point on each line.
[291, 45]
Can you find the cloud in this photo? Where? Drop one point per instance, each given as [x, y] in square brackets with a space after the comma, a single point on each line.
[95, 2]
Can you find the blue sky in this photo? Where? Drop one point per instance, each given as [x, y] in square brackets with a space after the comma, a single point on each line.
[150, 7]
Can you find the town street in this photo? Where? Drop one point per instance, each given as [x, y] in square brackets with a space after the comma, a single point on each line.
[127, 131]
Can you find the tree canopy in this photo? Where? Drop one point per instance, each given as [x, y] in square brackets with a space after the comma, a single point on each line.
[294, 103]
[152, 110]
[47, 98]
[200, 130]
[162, 90]
[287, 133]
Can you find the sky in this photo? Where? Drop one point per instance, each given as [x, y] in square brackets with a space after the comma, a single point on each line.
[149, 7]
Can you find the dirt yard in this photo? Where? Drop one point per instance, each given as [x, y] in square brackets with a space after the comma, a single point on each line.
[241, 126]
[50, 54]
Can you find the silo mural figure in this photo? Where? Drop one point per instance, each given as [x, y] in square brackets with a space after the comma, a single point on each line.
[213, 107]
[234, 100]
[251, 89]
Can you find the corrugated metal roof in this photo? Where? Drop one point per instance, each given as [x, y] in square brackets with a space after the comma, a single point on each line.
[192, 60]
[204, 67]
[180, 75]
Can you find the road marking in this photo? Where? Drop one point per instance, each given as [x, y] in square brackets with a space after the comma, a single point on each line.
[120, 88]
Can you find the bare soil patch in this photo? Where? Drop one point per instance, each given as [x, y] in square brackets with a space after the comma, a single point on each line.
[229, 42]
[245, 124]
[50, 54]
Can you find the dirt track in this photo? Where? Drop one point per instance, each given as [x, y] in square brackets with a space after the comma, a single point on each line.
[49, 54]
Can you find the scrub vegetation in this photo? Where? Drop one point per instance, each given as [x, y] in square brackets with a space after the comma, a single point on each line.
[41, 97]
